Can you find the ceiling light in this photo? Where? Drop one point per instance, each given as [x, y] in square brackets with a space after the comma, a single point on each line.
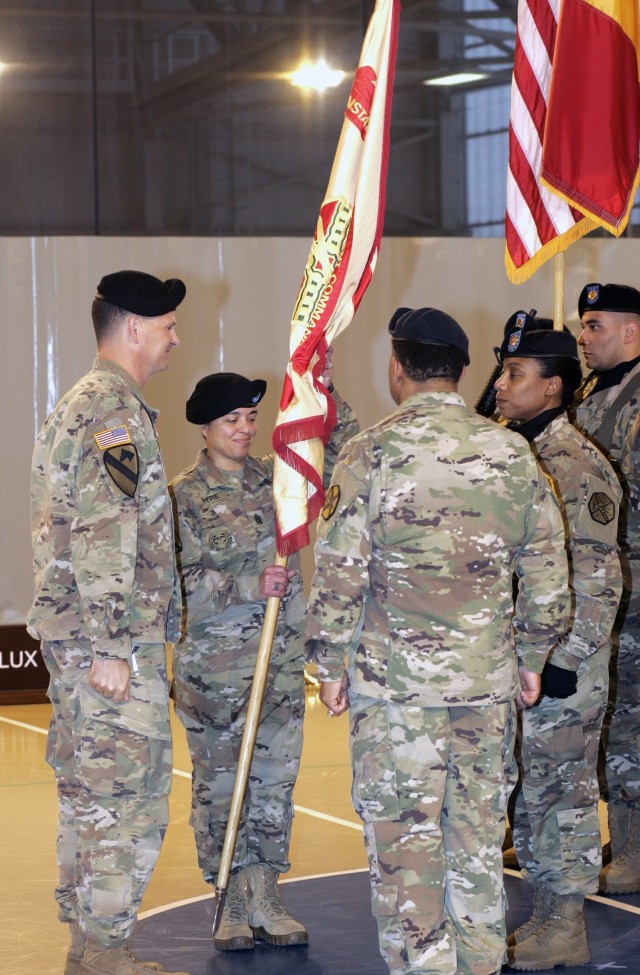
[459, 78]
[318, 76]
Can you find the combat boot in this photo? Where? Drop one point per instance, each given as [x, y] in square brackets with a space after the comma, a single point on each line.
[101, 960]
[618, 816]
[539, 910]
[234, 933]
[622, 874]
[267, 917]
[561, 939]
[76, 949]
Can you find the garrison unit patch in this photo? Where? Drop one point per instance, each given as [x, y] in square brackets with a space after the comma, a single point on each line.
[602, 508]
[331, 502]
[122, 467]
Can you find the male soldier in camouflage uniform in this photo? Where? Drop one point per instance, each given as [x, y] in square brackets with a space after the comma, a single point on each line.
[429, 514]
[105, 579]
[226, 551]
[608, 412]
[555, 821]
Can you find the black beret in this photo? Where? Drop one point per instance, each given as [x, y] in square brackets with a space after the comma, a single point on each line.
[609, 297]
[542, 343]
[221, 393]
[141, 293]
[428, 326]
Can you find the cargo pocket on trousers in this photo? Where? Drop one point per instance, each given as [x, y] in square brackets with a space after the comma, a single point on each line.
[119, 763]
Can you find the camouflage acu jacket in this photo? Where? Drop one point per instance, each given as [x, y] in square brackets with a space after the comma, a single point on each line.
[429, 514]
[590, 493]
[624, 454]
[226, 538]
[101, 520]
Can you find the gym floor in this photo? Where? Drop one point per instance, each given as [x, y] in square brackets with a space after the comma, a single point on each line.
[327, 887]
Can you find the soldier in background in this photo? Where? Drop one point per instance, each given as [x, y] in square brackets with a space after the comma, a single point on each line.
[226, 549]
[608, 412]
[555, 821]
[429, 514]
[105, 578]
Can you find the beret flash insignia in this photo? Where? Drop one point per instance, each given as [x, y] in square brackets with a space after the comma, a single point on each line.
[602, 508]
[331, 502]
[593, 293]
[521, 319]
[514, 341]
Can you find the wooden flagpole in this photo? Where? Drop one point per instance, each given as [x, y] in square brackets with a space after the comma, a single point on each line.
[558, 291]
[246, 748]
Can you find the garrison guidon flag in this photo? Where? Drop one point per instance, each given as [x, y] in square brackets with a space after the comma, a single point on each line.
[339, 268]
[574, 128]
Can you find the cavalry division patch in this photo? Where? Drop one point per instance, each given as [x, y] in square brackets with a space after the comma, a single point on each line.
[602, 508]
[331, 502]
[122, 467]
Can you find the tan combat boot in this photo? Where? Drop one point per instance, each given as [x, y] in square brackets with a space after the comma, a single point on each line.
[539, 910]
[618, 816]
[234, 933]
[622, 874]
[561, 939]
[76, 949]
[101, 960]
[267, 917]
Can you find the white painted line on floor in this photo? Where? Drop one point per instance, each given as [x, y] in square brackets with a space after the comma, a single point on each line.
[27, 727]
[328, 819]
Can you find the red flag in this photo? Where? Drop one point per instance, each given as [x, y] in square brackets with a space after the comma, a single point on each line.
[574, 127]
[339, 268]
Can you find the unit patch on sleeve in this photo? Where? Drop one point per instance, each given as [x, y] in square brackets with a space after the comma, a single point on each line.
[331, 502]
[601, 508]
[122, 467]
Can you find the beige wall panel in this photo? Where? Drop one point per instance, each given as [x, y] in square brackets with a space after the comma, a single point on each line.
[240, 294]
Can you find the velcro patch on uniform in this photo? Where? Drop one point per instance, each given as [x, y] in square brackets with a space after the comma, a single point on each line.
[331, 502]
[122, 467]
[219, 539]
[112, 437]
[602, 508]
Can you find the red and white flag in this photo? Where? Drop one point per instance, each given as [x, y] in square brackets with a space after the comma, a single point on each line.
[339, 268]
[574, 128]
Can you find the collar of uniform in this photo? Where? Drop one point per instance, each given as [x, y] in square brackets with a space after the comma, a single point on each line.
[217, 474]
[531, 429]
[108, 365]
[612, 377]
[449, 398]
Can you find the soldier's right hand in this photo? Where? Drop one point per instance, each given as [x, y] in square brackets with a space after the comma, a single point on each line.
[110, 677]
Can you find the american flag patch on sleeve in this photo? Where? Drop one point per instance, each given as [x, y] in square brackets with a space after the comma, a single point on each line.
[112, 437]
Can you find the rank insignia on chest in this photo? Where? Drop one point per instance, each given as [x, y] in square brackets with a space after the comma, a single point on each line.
[122, 467]
[331, 502]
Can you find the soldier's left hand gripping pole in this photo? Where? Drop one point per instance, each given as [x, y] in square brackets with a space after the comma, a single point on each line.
[246, 748]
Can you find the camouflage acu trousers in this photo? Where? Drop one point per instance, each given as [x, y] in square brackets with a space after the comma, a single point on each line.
[113, 772]
[555, 822]
[430, 785]
[264, 830]
[621, 734]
